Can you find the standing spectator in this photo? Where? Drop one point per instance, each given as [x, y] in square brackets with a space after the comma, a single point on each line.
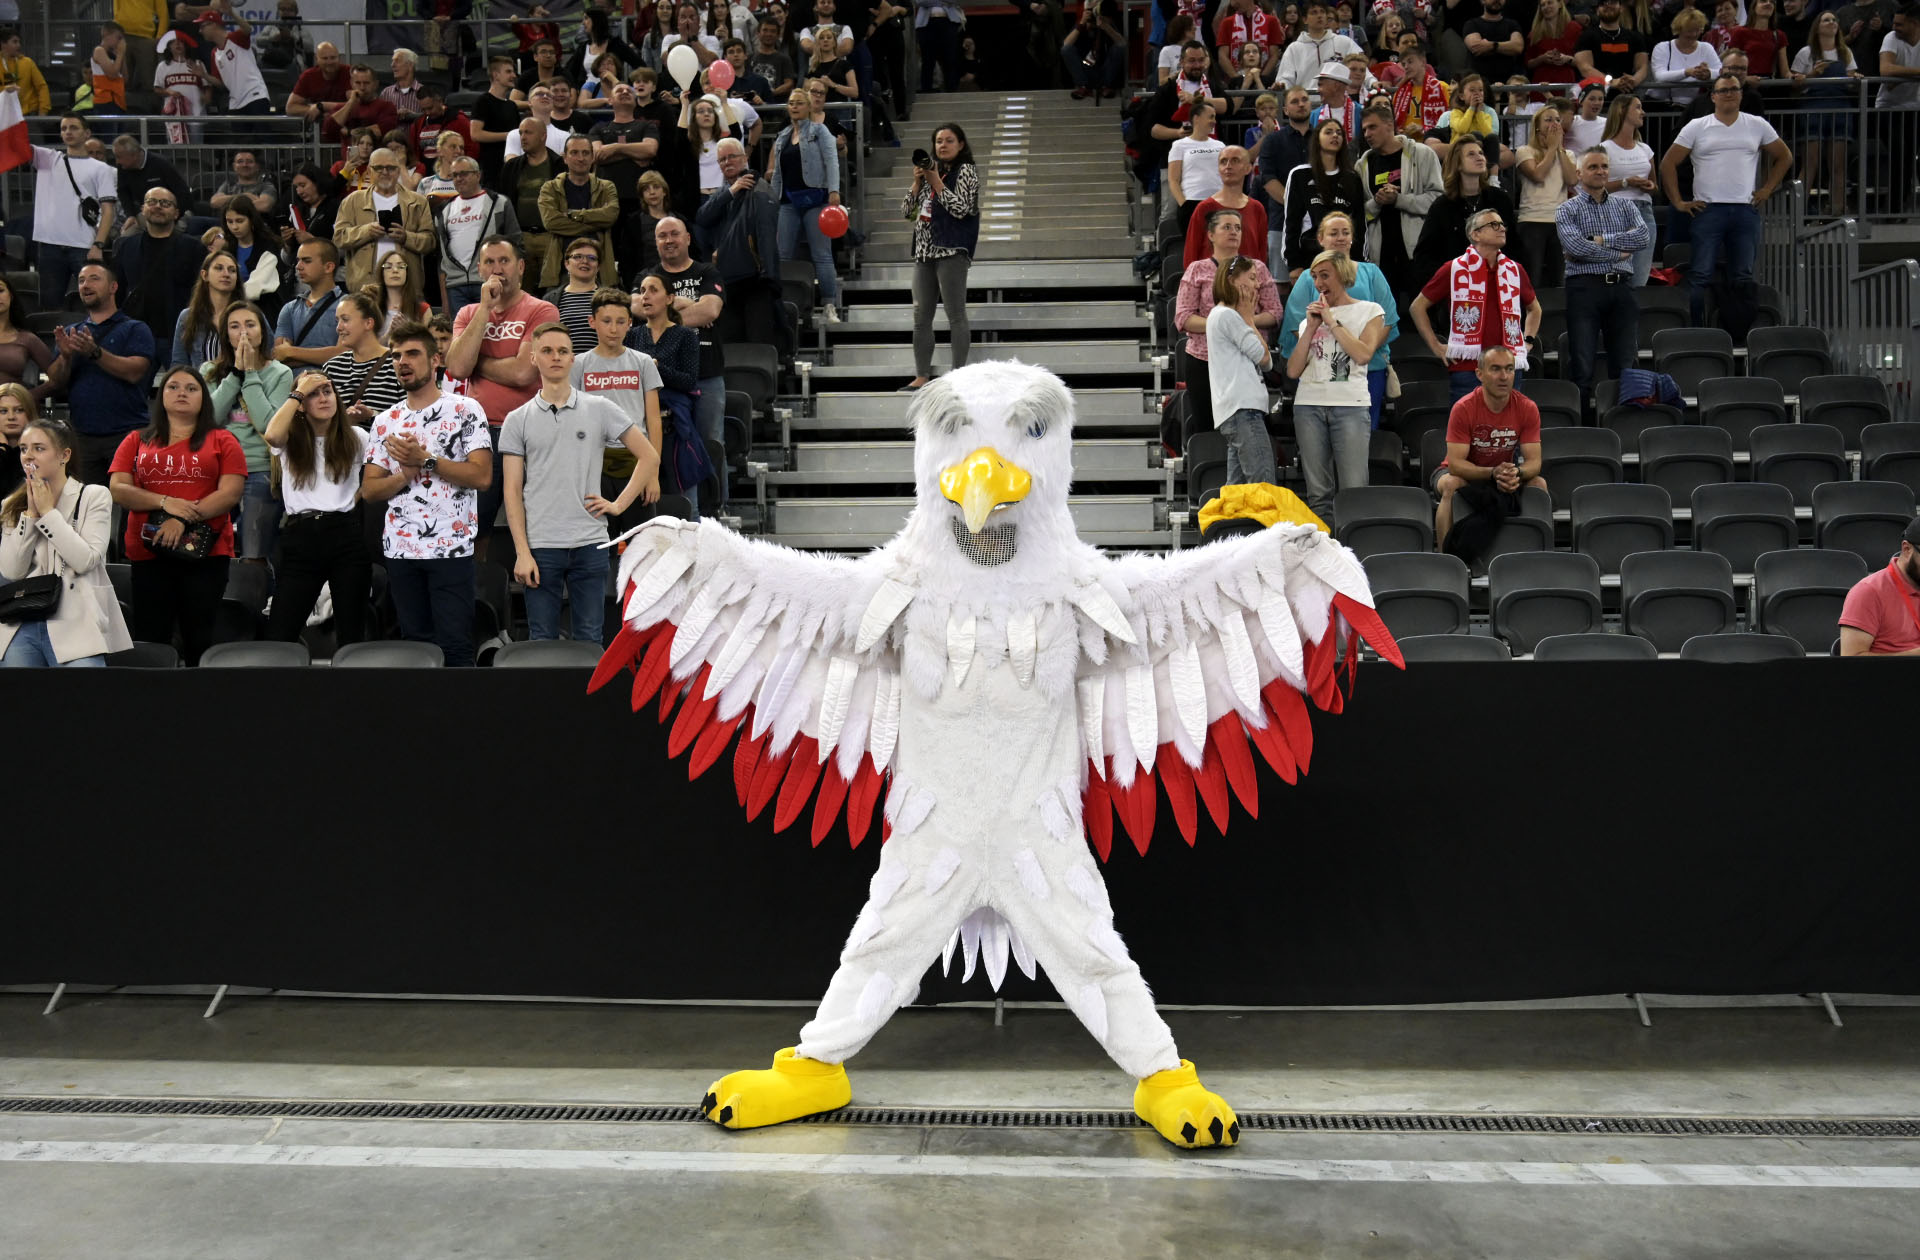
[1237, 358]
[1600, 234]
[107, 78]
[362, 369]
[1315, 189]
[314, 206]
[1610, 51]
[1468, 117]
[1370, 284]
[1551, 44]
[805, 174]
[322, 89]
[471, 217]
[181, 81]
[1683, 63]
[1170, 113]
[1630, 173]
[1281, 151]
[1547, 175]
[1880, 616]
[73, 207]
[551, 459]
[402, 294]
[1420, 100]
[700, 299]
[435, 120]
[1463, 177]
[1179, 32]
[1193, 164]
[624, 148]
[376, 221]
[545, 65]
[322, 541]
[248, 388]
[564, 115]
[1266, 121]
[263, 268]
[287, 46]
[137, 170]
[404, 92]
[597, 40]
[631, 381]
[18, 409]
[1232, 196]
[1095, 52]
[675, 352]
[656, 207]
[54, 527]
[1314, 47]
[157, 267]
[1489, 301]
[1762, 39]
[1725, 148]
[1332, 407]
[495, 118]
[1494, 42]
[740, 226]
[18, 347]
[578, 205]
[233, 59]
[196, 332]
[1493, 446]
[491, 350]
[1336, 102]
[18, 71]
[522, 178]
[1829, 120]
[1246, 23]
[430, 459]
[1900, 61]
[574, 299]
[307, 334]
[1401, 181]
[938, 36]
[179, 480]
[1195, 298]
[103, 364]
[248, 181]
[1752, 99]
[1588, 124]
[770, 62]
[944, 203]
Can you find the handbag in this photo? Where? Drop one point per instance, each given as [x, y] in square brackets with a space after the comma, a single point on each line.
[196, 543]
[30, 599]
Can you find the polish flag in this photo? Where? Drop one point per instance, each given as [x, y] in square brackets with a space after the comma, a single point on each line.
[14, 148]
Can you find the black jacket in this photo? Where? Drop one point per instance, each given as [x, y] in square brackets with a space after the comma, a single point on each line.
[157, 307]
[1444, 238]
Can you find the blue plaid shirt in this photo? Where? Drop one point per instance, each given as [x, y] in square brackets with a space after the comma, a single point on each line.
[1616, 222]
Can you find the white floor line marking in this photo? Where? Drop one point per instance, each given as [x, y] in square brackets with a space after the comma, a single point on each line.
[1213, 1167]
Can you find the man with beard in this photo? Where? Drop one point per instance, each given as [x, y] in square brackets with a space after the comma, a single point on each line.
[157, 267]
[1612, 51]
[1280, 152]
[1882, 614]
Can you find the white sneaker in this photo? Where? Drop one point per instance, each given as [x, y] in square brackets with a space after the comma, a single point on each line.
[830, 314]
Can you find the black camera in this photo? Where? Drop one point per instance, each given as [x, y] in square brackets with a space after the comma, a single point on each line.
[922, 159]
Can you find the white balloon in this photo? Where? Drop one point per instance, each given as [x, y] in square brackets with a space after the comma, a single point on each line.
[683, 65]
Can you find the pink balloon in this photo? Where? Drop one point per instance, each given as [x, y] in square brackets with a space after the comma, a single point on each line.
[720, 75]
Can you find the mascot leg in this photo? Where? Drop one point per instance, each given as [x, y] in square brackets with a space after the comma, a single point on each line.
[1054, 898]
[918, 896]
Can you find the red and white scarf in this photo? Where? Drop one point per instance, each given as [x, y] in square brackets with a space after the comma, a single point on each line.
[1467, 284]
[1431, 107]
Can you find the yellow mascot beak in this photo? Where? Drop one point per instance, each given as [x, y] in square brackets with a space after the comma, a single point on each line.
[983, 481]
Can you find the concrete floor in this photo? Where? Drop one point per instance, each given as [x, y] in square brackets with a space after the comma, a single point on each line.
[113, 1186]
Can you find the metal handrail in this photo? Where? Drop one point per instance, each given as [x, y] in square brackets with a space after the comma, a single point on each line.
[1881, 335]
[1826, 262]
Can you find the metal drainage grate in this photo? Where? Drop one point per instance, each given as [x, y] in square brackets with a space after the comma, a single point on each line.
[1890, 1127]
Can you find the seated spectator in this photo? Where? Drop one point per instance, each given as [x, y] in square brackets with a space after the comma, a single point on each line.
[428, 457]
[404, 92]
[322, 542]
[157, 267]
[363, 107]
[1752, 100]
[1463, 175]
[1726, 20]
[56, 525]
[439, 186]
[631, 381]
[473, 215]
[1493, 447]
[1370, 284]
[1237, 360]
[19, 347]
[1178, 34]
[574, 299]
[248, 181]
[747, 85]
[1684, 63]
[306, 334]
[248, 387]
[1266, 121]
[1881, 616]
[1494, 42]
[403, 289]
[1611, 51]
[263, 267]
[1193, 164]
[18, 70]
[1095, 52]
[805, 175]
[196, 332]
[554, 507]
[362, 371]
[411, 168]
[578, 205]
[1315, 189]
[1232, 196]
[378, 220]
[137, 171]
[354, 171]
[1195, 300]
[1420, 100]
[675, 351]
[1547, 177]
[179, 480]
[1332, 406]
[286, 44]
[1762, 39]
[434, 121]
[1468, 117]
[1551, 44]
[319, 92]
[1383, 50]
[740, 228]
[1488, 299]
[1314, 47]
[312, 207]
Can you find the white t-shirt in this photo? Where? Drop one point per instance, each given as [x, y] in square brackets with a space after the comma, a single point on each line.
[323, 495]
[710, 42]
[384, 245]
[237, 69]
[56, 207]
[1900, 93]
[1726, 156]
[1634, 163]
[1584, 133]
[178, 76]
[1331, 378]
[1169, 60]
[1803, 60]
[1670, 66]
[556, 140]
[463, 219]
[806, 37]
[1200, 172]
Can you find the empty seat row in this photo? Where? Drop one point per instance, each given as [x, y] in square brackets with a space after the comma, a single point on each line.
[375, 654]
[1726, 649]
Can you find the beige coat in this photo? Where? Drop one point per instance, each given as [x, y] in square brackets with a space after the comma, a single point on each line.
[596, 221]
[88, 621]
[356, 226]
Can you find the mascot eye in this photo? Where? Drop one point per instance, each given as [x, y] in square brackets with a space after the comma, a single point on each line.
[1036, 429]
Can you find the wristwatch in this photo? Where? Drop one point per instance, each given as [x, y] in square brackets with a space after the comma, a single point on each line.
[428, 464]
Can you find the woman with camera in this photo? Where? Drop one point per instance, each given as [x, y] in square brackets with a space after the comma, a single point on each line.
[944, 204]
[321, 539]
[54, 526]
[179, 479]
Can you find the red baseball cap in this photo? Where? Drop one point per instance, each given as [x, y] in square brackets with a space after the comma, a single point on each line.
[213, 16]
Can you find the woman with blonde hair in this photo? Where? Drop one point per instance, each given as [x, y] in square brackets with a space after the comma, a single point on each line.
[322, 542]
[196, 334]
[1547, 178]
[1370, 284]
[1685, 64]
[1331, 407]
[55, 526]
[1630, 172]
[1551, 44]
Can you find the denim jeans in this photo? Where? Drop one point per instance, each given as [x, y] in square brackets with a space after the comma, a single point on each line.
[1604, 313]
[434, 601]
[939, 42]
[256, 522]
[32, 648]
[459, 295]
[793, 221]
[1109, 73]
[1377, 391]
[1333, 452]
[1733, 230]
[582, 571]
[1643, 257]
[1249, 449]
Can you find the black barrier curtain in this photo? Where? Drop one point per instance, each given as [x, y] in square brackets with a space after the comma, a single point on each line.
[1466, 833]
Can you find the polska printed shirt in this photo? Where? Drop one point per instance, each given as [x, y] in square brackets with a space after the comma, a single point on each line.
[432, 519]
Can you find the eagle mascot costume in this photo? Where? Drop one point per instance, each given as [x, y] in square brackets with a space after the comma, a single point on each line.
[1009, 689]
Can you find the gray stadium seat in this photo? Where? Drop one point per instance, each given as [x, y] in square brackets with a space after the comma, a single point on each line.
[1423, 406]
[389, 654]
[548, 654]
[1531, 530]
[260, 654]
[1452, 649]
[1558, 401]
[1799, 457]
[1534, 596]
[1377, 519]
[1386, 459]
[1692, 355]
[1864, 517]
[1799, 593]
[1627, 419]
[1741, 649]
[1419, 593]
[1740, 404]
[1668, 597]
[1741, 521]
[1891, 452]
[1788, 355]
[145, 656]
[1848, 403]
[1574, 457]
[1594, 647]
[1612, 522]
[1682, 457]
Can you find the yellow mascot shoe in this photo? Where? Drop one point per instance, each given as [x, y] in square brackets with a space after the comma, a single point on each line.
[1184, 1111]
[791, 1088]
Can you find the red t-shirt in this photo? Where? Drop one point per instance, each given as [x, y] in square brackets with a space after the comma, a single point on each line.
[180, 472]
[503, 337]
[1762, 47]
[377, 113]
[1886, 606]
[316, 88]
[1253, 232]
[1493, 437]
[1235, 31]
[1439, 291]
[1566, 43]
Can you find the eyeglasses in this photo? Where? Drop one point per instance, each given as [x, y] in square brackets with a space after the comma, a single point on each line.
[464, 174]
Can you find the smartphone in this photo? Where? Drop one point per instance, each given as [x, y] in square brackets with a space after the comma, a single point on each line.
[149, 532]
[388, 218]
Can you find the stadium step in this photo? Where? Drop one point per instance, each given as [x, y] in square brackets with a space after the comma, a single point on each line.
[1006, 317]
[994, 275]
[891, 463]
[1121, 520]
[1108, 410]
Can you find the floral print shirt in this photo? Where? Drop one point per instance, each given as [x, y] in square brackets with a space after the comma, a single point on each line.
[432, 519]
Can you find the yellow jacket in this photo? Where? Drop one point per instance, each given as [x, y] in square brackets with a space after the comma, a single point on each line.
[142, 19]
[356, 226]
[569, 224]
[34, 97]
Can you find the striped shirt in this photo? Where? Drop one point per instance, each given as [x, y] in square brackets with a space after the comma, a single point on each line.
[576, 312]
[1581, 217]
[371, 384]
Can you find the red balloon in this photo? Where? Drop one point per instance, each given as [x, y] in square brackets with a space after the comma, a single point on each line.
[833, 222]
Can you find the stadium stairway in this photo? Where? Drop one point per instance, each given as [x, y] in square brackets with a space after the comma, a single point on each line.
[1052, 283]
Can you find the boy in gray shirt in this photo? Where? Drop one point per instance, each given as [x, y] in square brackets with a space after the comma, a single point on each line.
[631, 381]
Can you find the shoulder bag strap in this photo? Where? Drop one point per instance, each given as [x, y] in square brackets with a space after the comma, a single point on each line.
[313, 316]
